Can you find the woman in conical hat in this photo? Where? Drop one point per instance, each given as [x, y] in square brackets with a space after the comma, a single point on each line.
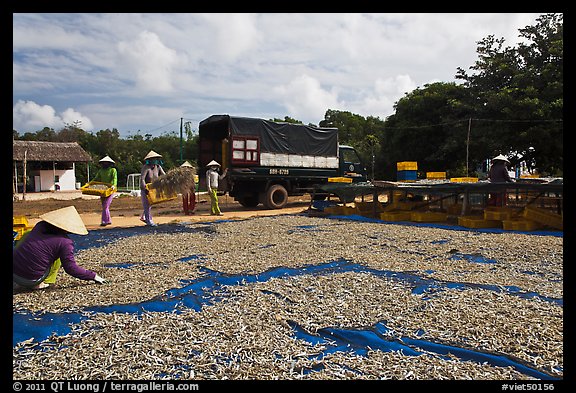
[39, 254]
[151, 170]
[212, 179]
[107, 174]
[189, 198]
[499, 174]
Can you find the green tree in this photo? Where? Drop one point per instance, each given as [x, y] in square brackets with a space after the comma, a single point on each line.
[287, 119]
[518, 94]
[427, 127]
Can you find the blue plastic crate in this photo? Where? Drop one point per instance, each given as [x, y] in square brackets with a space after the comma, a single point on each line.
[406, 175]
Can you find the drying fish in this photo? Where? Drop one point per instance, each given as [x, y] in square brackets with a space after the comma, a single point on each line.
[402, 281]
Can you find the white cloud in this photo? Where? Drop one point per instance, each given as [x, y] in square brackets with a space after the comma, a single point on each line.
[142, 71]
[231, 35]
[150, 61]
[305, 98]
[28, 116]
[386, 93]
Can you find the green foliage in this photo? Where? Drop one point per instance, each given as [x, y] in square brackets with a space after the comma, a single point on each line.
[521, 90]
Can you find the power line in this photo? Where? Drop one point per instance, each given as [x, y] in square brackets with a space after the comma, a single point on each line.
[476, 119]
[165, 125]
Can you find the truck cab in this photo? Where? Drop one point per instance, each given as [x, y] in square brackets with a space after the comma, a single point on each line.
[351, 165]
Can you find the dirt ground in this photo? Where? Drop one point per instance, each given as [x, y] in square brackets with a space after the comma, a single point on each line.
[125, 209]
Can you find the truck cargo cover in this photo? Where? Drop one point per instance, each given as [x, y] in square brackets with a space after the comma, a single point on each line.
[286, 138]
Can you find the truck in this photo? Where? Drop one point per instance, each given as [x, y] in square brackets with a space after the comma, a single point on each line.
[267, 161]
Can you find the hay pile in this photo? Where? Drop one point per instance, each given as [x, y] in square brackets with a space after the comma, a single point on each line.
[178, 180]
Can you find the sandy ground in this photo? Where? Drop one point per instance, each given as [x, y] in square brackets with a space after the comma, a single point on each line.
[125, 209]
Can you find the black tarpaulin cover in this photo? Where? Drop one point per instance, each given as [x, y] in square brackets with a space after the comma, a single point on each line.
[284, 138]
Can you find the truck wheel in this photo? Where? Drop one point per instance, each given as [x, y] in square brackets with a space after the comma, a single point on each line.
[249, 201]
[276, 197]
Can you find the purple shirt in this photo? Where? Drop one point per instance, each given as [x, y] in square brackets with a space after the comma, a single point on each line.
[38, 251]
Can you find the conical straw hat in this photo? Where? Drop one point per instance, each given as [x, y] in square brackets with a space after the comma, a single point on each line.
[501, 158]
[213, 163]
[66, 218]
[107, 159]
[152, 154]
[187, 164]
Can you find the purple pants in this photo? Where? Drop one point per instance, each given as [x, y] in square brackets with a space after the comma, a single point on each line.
[106, 202]
[147, 214]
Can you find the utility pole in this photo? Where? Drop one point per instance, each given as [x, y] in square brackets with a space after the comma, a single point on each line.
[181, 161]
[373, 159]
[468, 144]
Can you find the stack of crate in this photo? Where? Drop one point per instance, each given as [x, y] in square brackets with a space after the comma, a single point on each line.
[20, 226]
[406, 171]
[544, 217]
[436, 175]
[464, 179]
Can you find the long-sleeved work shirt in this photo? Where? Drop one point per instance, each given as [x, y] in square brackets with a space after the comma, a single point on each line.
[499, 173]
[107, 175]
[40, 248]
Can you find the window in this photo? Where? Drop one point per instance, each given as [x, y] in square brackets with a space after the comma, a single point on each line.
[245, 150]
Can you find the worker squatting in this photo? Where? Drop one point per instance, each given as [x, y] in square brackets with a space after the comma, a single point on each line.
[98, 387]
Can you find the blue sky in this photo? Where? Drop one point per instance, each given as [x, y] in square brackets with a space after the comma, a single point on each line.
[141, 73]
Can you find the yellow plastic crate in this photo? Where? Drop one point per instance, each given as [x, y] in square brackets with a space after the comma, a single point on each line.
[435, 175]
[340, 180]
[97, 188]
[334, 210]
[368, 207]
[395, 216]
[520, 225]
[404, 206]
[154, 197]
[544, 217]
[349, 210]
[20, 230]
[407, 166]
[478, 222]
[464, 179]
[428, 216]
[500, 213]
[19, 221]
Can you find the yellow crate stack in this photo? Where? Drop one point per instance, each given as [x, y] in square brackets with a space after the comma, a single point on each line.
[367, 208]
[500, 213]
[436, 175]
[406, 171]
[339, 180]
[396, 216]
[428, 216]
[544, 217]
[520, 225]
[478, 222]
[20, 226]
[464, 179]
[334, 210]
[407, 166]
